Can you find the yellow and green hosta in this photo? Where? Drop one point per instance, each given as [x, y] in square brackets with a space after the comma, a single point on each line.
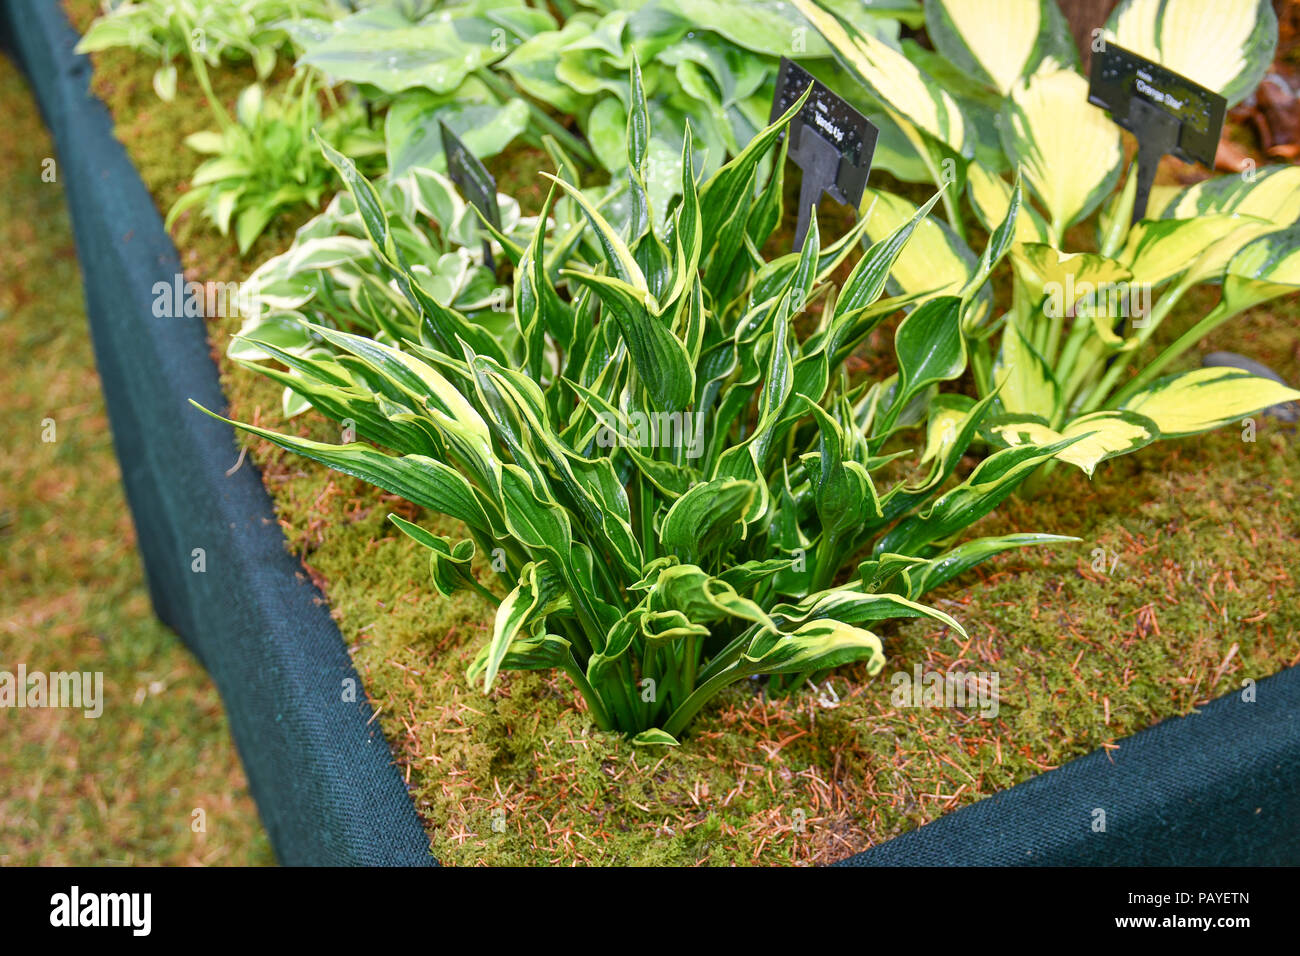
[657, 565]
[1057, 364]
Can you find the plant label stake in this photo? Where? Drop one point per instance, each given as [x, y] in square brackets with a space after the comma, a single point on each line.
[829, 140]
[1168, 113]
[475, 184]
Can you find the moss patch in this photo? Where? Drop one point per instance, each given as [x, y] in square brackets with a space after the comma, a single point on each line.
[1196, 538]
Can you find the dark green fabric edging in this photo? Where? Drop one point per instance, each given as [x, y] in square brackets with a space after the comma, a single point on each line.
[318, 767]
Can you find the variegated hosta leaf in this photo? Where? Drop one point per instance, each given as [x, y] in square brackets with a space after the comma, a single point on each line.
[1266, 201]
[990, 196]
[1069, 151]
[421, 480]
[1271, 193]
[1065, 278]
[540, 592]
[930, 347]
[448, 563]
[1025, 382]
[1158, 249]
[934, 260]
[959, 560]
[708, 518]
[1264, 269]
[946, 416]
[1100, 435]
[910, 97]
[1206, 398]
[984, 489]
[851, 606]
[817, 645]
[999, 41]
[1224, 45]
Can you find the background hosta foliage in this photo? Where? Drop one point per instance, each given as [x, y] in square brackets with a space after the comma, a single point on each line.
[265, 160]
[490, 69]
[1057, 363]
[333, 276]
[252, 30]
[667, 456]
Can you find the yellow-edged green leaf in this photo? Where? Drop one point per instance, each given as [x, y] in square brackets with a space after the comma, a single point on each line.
[965, 556]
[816, 645]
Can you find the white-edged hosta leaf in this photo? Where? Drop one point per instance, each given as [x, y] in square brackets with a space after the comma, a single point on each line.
[1101, 435]
[1069, 151]
[930, 347]
[848, 605]
[965, 556]
[1224, 45]
[540, 591]
[984, 489]
[419, 479]
[999, 41]
[1206, 398]
[449, 564]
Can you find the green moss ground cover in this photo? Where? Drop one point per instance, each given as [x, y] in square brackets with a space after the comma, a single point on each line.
[121, 788]
[1180, 589]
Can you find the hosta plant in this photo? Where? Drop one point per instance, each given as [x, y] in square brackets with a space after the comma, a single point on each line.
[216, 30]
[333, 276]
[668, 467]
[265, 161]
[1083, 303]
[494, 70]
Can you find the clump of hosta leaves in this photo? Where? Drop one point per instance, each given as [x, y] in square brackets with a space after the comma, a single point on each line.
[265, 161]
[1007, 94]
[667, 466]
[333, 276]
[216, 30]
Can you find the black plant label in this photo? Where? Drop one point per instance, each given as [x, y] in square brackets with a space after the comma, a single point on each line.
[1121, 78]
[826, 118]
[474, 182]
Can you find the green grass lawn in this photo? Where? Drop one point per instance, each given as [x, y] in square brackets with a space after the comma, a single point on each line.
[121, 788]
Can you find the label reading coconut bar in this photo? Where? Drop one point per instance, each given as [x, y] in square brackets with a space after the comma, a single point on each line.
[1168, 113]
[829, 140]
[474, 182]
